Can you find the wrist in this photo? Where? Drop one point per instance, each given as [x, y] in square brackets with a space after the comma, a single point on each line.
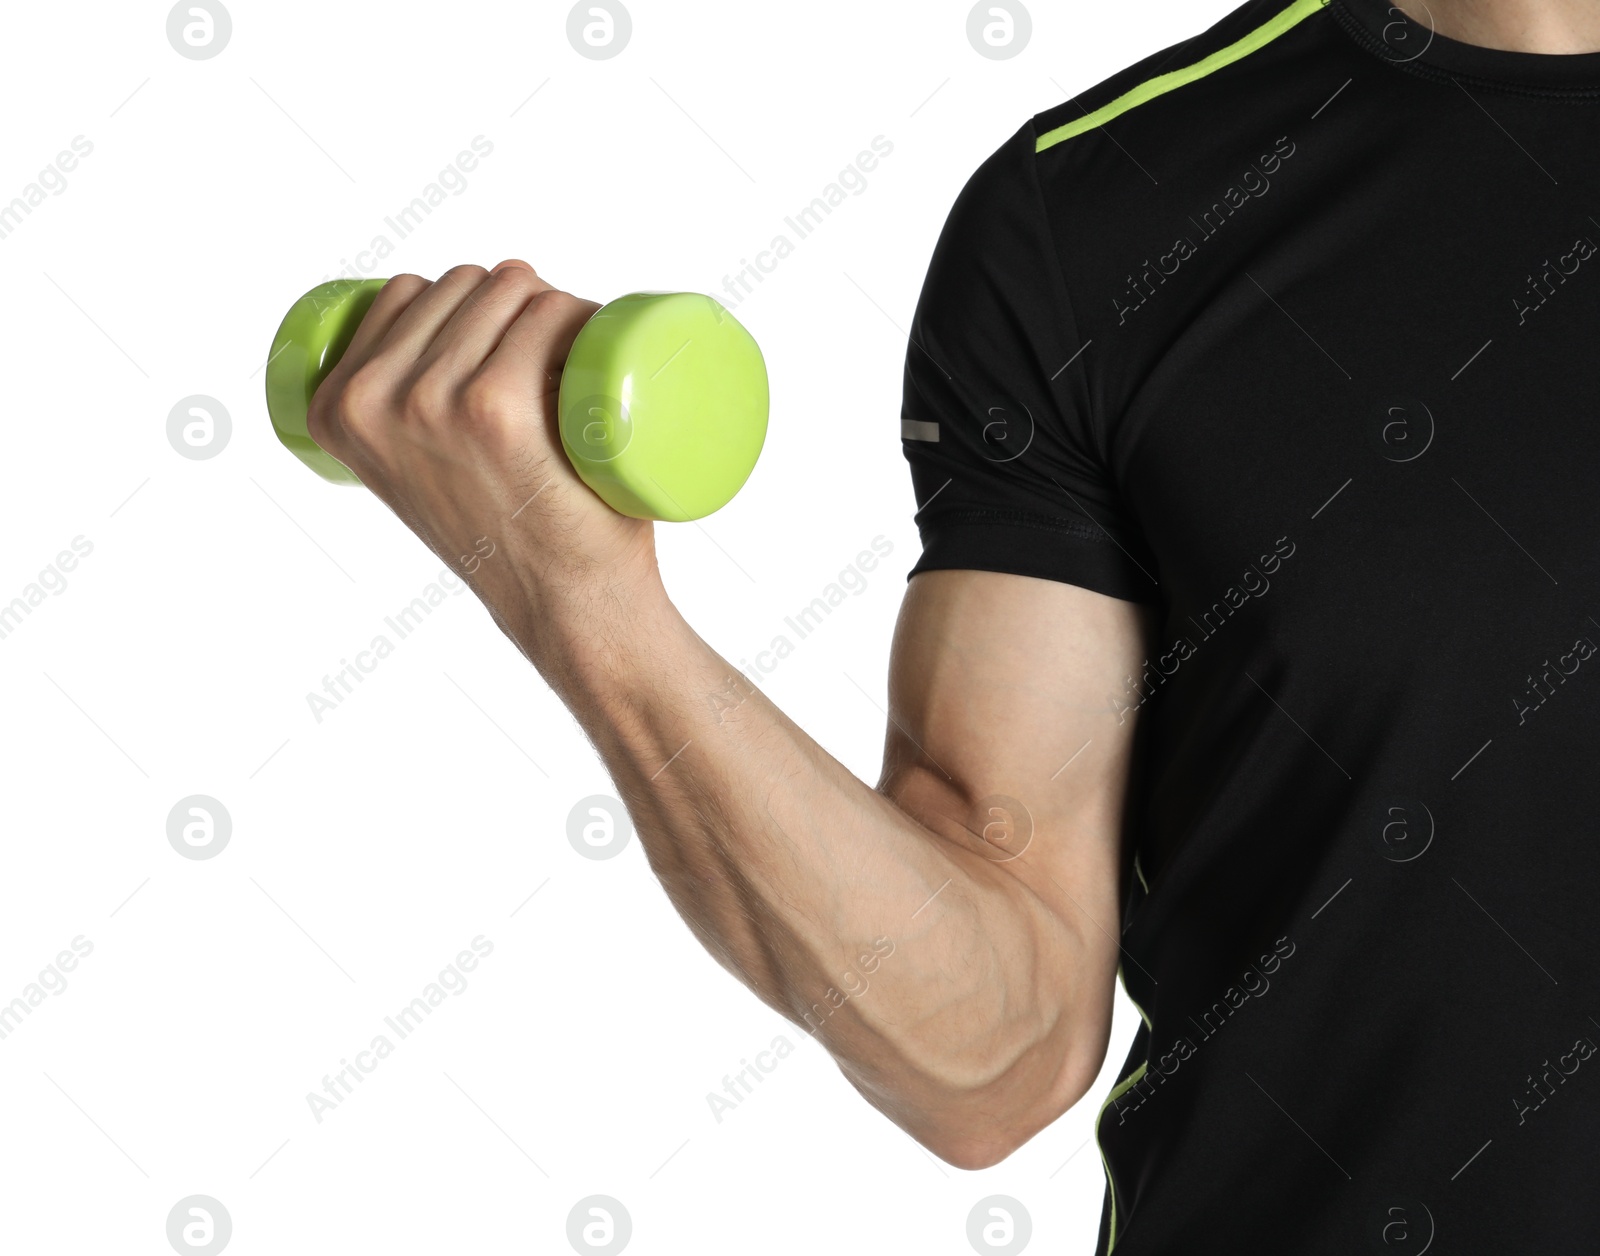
[604, 631]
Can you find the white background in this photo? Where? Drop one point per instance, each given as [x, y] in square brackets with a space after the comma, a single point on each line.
[370, 848]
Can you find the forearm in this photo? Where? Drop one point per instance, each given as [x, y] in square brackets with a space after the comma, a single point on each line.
[941, 983]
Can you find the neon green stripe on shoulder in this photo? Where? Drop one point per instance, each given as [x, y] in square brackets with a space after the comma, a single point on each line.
[1164, 83]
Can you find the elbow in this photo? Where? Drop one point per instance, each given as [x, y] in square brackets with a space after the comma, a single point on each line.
[978, 1129]
[977, 1073]
[973, 1149]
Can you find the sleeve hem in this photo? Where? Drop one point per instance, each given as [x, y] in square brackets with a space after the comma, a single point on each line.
[1009, 542]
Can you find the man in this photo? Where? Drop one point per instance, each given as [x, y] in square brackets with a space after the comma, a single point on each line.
[1250, 407]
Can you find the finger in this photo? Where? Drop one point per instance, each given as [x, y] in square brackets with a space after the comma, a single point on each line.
[531, 353]
[510, 261]
[479, 323]
[391, 302]
[386, 307]
[411, 334]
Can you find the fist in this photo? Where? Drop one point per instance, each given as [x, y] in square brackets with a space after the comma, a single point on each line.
[445, 406]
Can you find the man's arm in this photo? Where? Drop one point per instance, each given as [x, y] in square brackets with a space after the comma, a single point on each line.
[964, 985]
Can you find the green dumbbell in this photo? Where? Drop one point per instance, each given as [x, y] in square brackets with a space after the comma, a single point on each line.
[663, 402]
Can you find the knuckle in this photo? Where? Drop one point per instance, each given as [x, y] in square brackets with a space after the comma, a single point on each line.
[319, 423]
[468, 274]
[405, 284]
[516, 279]
[550, 308]
[360, 400]
[431, 396]
[487, 404]
[401, 291]
[553, 302]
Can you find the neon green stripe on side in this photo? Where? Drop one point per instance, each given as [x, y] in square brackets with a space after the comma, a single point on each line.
[1117, 1091]
[1164, 83]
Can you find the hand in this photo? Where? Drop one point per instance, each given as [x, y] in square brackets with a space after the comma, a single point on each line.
[445, 407]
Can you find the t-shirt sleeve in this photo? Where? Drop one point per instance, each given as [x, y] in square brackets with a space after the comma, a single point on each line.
[1007, 455]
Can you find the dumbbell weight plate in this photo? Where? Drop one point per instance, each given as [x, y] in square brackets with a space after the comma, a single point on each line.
[664, 405]
[311, 339]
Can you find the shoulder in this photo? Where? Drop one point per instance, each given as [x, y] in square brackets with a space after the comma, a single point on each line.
[1228, 78]
[1095, 179]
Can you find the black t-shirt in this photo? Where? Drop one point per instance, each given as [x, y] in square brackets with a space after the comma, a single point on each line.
[1291, 332]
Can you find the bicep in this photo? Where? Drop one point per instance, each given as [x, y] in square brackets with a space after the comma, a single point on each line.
[1006, 734]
